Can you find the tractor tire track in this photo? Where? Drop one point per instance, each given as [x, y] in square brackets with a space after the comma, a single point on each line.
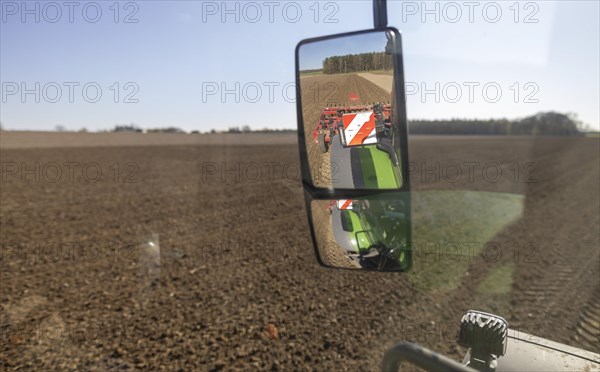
[587, 332]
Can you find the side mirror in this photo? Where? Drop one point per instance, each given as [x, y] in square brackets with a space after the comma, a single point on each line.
[352, 133]
[351, 110]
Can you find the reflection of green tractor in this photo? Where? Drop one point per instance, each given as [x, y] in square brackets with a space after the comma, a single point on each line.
[372, 233]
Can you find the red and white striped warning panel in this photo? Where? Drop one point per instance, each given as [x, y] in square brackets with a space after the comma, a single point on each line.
[359, 128]
[344, 204]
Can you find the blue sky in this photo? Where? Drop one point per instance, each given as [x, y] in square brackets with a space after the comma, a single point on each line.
[196, 65]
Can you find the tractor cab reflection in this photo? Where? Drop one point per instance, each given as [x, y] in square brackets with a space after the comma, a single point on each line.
[372, 233]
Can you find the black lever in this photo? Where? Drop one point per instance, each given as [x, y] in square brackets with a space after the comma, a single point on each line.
[421, 357]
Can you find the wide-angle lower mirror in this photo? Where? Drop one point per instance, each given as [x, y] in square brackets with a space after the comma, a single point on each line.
[365, 233]
[353, 127]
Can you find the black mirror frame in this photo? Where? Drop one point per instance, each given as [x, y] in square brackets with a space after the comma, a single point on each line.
[312, 192]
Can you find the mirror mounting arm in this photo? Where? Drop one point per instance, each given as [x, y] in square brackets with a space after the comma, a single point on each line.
[380, 13]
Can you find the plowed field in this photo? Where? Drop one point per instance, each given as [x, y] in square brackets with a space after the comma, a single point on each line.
[229, 279]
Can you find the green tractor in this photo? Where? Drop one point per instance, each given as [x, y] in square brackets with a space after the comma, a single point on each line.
[372, 233]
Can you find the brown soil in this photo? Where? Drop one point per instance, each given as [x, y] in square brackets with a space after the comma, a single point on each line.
[22, 139]
[236, 285]
[384, 81]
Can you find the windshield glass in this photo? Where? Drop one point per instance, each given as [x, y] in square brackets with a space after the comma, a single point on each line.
[151, 205]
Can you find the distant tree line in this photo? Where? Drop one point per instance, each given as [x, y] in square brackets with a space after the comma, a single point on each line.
[165, 130]
[127, 128]
[267, 130]
[247, 129]
[543, 124]
[357, 63]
